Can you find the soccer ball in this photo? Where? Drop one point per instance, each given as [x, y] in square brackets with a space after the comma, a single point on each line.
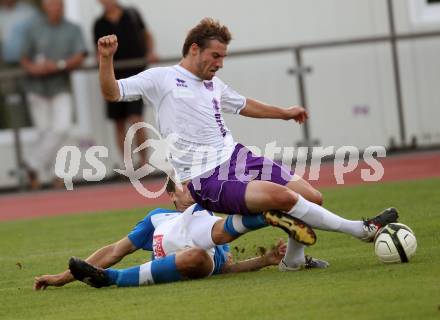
[395, 242]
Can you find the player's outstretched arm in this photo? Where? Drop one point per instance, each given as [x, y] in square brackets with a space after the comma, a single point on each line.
[257, 109]
[272, 257]
[110, 255]
[104, 257]
[55, 280]
[107, 47]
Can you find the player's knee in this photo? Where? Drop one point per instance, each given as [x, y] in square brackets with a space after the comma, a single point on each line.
[197, 264]
[316, 197]
[284, 200]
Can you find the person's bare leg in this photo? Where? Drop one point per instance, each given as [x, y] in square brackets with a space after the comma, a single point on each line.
[194, 263]
[234, 226]
[264, 195]
[120, 135]
[141, 137]
[218, 234]
[301, 186]
[278, 205]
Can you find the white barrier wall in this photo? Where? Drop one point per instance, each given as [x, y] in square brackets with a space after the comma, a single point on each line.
[353, 86]
[350, 91]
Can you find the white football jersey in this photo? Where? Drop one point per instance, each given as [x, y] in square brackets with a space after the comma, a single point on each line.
[188, 115]
[177, 231]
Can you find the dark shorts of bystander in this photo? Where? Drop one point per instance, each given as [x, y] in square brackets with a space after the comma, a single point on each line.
[122, 110]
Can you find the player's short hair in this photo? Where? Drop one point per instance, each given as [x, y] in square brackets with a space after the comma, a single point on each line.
[171, 186]
[207, 29]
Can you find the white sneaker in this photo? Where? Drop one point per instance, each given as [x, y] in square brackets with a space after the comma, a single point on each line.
[373, 225]
[282, 266]
[310, 263]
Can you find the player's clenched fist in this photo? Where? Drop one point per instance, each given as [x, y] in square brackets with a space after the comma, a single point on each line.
[107, 45]
[297, 113]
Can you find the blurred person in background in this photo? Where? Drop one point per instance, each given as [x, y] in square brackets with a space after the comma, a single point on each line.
[53, 47]
[136, 43]
[15, 18]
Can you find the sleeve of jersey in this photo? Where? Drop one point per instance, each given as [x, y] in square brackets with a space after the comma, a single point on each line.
[142, 234]
[220, 258]
[144, 85]
[232, 102]
[226, 247]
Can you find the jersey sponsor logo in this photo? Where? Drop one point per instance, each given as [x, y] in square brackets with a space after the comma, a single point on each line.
[181, 83]
[158, 250]
[218, 116]
[209, 85]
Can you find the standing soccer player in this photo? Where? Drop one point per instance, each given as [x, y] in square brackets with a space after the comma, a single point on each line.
[222, 175]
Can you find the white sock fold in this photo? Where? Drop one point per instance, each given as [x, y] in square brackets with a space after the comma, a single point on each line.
[301, 208]
[294, 254]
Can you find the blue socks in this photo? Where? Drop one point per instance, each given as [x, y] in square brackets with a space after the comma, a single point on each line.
[164, 270]
[161, 270]
[124, 277]
[236, 224]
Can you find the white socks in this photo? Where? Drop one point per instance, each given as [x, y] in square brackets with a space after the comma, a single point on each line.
[320, 218]
[294, 256]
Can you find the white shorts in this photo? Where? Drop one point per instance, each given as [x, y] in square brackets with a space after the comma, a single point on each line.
[193, 228]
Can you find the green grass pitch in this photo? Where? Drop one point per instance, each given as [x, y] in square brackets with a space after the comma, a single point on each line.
[356, 286]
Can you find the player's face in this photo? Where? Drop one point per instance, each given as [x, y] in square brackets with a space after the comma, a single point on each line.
[54, 10]
[210, 59]
[108, 3]
[181, 198]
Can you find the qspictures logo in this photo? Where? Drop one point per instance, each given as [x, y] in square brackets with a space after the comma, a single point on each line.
[174, 150]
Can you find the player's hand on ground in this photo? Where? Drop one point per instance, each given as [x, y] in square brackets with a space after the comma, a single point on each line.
[297, 113]
[42, 282]
[107, 45]
[274, 256]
